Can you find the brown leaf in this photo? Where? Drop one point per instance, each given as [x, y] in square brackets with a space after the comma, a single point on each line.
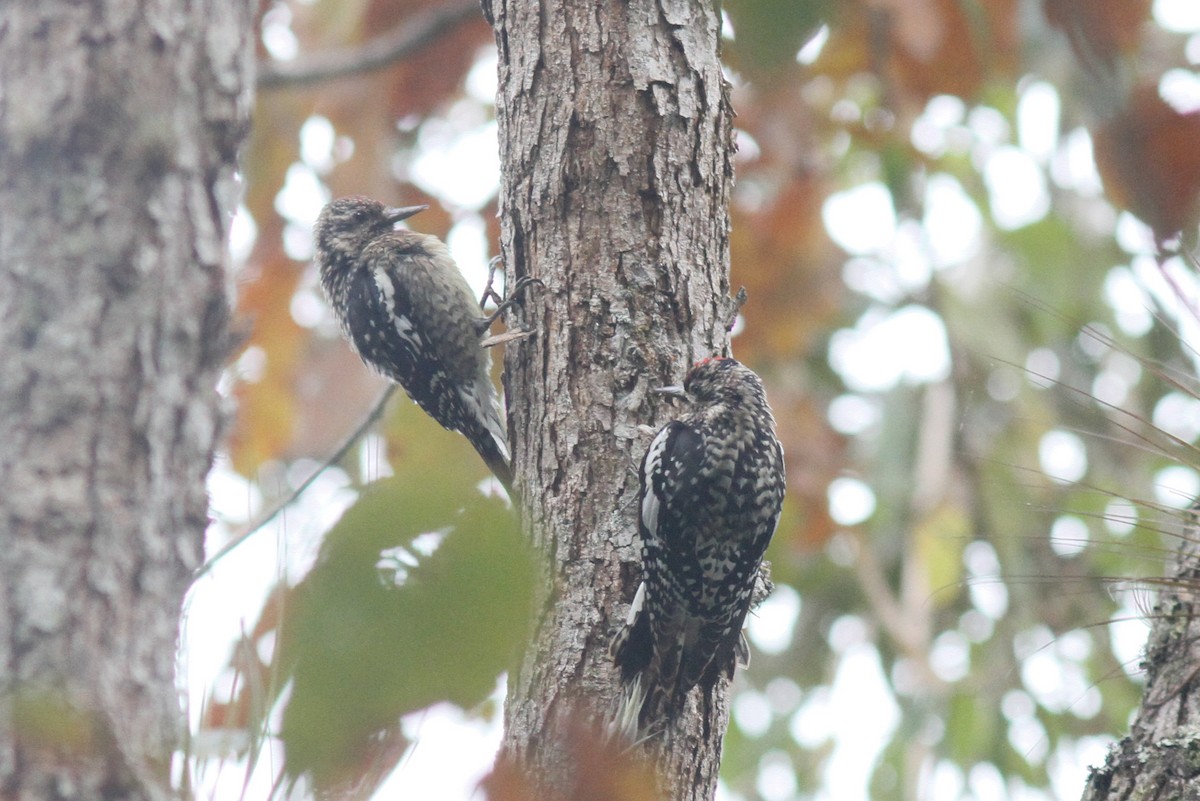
[433, 76]
[262, 425]
[937, 48]
[1149, 159]
[924, 48]
[1100, 31]
[266, 407]
[816, 455]
[601, 770]
[783, 257]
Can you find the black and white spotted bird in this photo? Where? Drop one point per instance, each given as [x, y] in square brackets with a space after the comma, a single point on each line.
[408, 312]
[712, 483]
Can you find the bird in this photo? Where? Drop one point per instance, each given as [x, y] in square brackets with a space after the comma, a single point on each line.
[407, 311]
[712, 484]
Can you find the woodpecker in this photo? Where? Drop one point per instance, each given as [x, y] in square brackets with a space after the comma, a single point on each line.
[712, 483]
[408, 312]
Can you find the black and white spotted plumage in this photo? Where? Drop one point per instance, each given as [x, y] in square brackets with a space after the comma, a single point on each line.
[408, 312]
[712, 483]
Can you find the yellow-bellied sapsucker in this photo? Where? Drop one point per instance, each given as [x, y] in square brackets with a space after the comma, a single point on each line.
[409, 313]
[712, 483]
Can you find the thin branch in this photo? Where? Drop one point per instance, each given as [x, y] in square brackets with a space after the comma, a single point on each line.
[400, 42]
[336, 457]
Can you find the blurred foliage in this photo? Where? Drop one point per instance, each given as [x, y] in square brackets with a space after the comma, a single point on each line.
[422, 592]
[604, 771]
[380, 627]
[955, 564]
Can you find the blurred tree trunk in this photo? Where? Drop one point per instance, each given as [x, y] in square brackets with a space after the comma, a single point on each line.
[119, 125]
[1160, 758]
[616, 149]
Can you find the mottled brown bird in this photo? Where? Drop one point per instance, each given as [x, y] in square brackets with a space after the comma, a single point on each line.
[409, 313]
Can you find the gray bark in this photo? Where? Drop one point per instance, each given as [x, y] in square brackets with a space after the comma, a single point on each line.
[1160, 758]
[616, 149]
[119, 125]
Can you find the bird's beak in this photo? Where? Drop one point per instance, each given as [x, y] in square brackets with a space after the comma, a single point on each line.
[675, 391]
[403, 213]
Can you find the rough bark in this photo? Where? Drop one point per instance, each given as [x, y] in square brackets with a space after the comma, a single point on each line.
[119, 125]
[616, 148]
[1160, 758]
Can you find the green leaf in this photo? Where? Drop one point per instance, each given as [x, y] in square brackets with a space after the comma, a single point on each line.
[386, 624]
[769, 33]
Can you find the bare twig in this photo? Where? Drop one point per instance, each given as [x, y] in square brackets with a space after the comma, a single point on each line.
[401, 41]
[336, 457]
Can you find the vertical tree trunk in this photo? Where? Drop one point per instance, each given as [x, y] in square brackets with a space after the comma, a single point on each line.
[616, 148]
[119, 124]
[1160, 758]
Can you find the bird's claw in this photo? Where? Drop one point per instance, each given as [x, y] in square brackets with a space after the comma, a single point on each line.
[514, 296]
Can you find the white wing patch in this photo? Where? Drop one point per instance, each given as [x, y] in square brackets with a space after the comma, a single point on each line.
[384, 282]
[635, 609]
[387, 291]
[652, 465]
[404, 327]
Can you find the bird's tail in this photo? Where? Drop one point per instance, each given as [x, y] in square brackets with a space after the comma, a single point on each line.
[487, 434]
[650, 692]
[494, 452]
[632, 651]
[647, 702]
[625, 724]
[660, 666]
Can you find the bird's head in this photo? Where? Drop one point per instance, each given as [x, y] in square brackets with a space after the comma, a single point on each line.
[718, 380]
[347, 225]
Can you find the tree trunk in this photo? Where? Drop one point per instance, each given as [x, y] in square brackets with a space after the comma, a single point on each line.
[1160, 758]
[616, 149]
[119, 125]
